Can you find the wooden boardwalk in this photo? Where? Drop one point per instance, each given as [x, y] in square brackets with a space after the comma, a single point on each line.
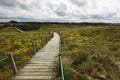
[43, 63]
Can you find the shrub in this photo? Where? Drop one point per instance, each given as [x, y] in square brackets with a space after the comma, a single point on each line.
[28, 26]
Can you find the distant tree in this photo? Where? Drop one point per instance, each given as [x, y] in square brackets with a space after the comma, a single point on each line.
[28, 26]
[13, 22]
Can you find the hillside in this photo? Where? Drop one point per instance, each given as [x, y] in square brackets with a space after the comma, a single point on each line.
[89, 52]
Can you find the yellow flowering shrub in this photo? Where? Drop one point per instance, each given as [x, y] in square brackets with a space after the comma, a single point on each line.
[89, 52]
[20, 44]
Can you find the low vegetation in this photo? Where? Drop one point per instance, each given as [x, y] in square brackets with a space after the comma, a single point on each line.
[92, 53]
[89, 52]
[20, 45]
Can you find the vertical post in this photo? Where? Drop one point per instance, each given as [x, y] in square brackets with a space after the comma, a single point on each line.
[45, 40]
[34, 48]
[12, 62]
[42, 42]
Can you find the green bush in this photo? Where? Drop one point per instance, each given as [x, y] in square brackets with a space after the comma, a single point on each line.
[28, 26]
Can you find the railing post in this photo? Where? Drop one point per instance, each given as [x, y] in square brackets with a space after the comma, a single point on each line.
[12, 62]
[34, 48]
[47, 39]
[3, 59]
[42, 42]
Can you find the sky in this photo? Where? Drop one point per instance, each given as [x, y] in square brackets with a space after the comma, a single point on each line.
[60, 10]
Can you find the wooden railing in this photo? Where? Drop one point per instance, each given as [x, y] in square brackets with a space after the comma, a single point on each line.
[11, 60]
[61, 71]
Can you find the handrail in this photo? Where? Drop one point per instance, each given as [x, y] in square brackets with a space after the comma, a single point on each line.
[12, 62]
[3, 59]
[18, 30]
[60, 61]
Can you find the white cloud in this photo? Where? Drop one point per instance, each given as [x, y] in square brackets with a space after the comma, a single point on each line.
[60, 10]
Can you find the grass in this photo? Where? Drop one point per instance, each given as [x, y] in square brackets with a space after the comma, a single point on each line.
[89, 52]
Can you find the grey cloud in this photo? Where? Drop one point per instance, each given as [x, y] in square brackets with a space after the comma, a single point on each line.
[26, 6]
[84, 17]
[23, 6]
[60, 13]
[55, 19]
[19, 18]
[4, 17]
[102, 16]
[79, 2]
[59, 10]
[8, 3]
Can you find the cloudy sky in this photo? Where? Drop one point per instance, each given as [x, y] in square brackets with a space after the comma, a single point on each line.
[60, 10]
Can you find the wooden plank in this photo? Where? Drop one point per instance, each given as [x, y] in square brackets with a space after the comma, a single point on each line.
[36, 70]
[33, 77]
[43, 63]
[39, 67]
[36, 74]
